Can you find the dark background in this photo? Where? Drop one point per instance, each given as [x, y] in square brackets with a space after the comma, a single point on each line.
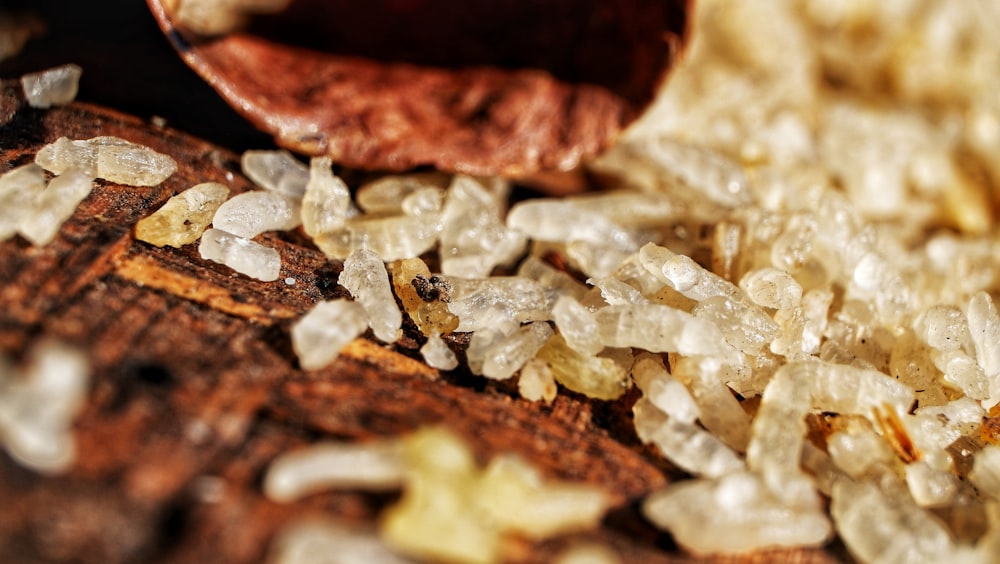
[128, 65]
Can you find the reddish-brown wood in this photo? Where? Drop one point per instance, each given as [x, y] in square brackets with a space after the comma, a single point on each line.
[509, 87]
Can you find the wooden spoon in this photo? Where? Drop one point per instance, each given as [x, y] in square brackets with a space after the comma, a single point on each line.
[505, 87]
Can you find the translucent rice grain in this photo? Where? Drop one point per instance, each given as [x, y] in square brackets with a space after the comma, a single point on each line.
[779, 428]
[662, 390]
[516, 497]
[772, 288]
[985, 474]
[871, 272]
[625, 207]
[562, 221]
[631, 271]
[860, 453]
[326, 204]
[602, 377]
[452, 511]
[317, 541]
[944, 328]
[392, 238]
[251, 213]
[38, 405]
[687, 445]
[436, 518]
[536, 382]
[617, 293]
[882, 524]
[556, 280]
[659, 328]
[870, 150]
[726, 248]
[691, 279]
[506, 357]
[930, 486]
[685, 275]
[425, 201]
[372, 466]
[815, 309]
[743, 325]
[437, 354]
[932, 431]
[277, 171]
[738, 513]
[473, 238]
[719, 411]
[961, 416]
[111, 158]
[64, 154]
[386, 195]
[797, 250]
[242, 255]
[708, 173]
[577, 325]
[597, 259]
[18, 189]
[130, 163]
[55, 204]
[984, 327]
[911, 362]
[183, 218]
[366, 278]
[478, 302]
[484, 339]
[320, 335]
[52, 87]
[964, 373]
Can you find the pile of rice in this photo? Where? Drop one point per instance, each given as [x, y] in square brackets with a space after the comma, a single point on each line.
[797, 267]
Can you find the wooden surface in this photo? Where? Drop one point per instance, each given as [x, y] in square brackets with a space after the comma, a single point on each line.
[195, 378]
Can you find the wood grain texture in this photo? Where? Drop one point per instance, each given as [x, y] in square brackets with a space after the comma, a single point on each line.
[195, 385]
